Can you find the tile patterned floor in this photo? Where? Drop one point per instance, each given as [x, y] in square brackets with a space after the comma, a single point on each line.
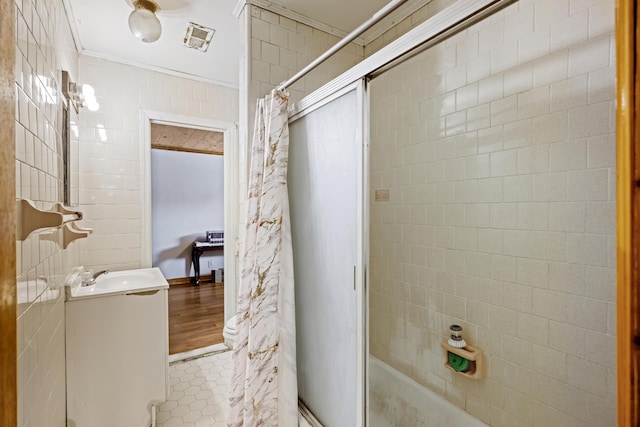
[198, 393]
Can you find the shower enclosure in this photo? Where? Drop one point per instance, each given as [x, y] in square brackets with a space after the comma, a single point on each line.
[326, 205]
[466, 177]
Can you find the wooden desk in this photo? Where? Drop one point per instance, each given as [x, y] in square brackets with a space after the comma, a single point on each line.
[197, 248]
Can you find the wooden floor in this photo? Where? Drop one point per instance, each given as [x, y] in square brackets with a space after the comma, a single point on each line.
[196, 316]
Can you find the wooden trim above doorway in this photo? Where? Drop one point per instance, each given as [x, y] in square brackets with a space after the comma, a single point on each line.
[186, 150]
[186, 139]
[628, 209]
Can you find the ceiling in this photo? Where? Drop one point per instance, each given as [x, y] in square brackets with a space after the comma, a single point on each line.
[176, 138]
[101, 29]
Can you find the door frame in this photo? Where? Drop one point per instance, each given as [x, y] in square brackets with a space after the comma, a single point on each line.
[231, 202]
[627, 212]
[8, 298]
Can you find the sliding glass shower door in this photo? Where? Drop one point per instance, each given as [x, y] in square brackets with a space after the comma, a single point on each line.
[495, 151]
[324, 178]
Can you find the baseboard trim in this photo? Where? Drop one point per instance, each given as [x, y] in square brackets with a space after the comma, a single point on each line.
[181, 281]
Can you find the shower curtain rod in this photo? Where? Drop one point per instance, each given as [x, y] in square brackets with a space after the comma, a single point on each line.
[377, 17]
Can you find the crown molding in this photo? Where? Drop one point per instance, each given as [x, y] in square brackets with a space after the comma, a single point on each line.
[71, 20]
[237, 10]
[163, 70]
[288, 13]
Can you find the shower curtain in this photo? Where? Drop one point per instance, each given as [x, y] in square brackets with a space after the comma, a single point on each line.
[264, 390]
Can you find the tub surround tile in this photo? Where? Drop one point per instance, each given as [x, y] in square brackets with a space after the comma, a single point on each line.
[518, 239]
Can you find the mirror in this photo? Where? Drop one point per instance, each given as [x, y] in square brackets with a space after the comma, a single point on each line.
[70, 144]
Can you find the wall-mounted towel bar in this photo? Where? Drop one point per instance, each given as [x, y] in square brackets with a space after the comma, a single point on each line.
[71, 232]
[33, 219]
[68, 214]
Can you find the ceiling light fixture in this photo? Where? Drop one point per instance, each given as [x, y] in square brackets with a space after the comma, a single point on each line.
[143, 22]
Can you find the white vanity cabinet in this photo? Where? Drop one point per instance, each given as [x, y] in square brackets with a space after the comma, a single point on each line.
[117, 356]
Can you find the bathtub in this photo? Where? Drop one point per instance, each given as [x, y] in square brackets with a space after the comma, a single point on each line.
[396, 400]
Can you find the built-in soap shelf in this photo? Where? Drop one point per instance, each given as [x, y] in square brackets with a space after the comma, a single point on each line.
[473, 368]
[32, 219]
[462, 358]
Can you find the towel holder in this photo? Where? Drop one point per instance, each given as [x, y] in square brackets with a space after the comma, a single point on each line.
[33, 219]
[71, 232]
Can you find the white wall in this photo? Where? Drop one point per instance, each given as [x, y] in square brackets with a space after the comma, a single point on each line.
[110, 175]
[498, 148]
[44, 47]
[187, 199]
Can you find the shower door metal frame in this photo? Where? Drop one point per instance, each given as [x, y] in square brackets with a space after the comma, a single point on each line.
[362, 221]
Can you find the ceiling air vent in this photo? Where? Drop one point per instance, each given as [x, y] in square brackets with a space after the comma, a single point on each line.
[198, 37]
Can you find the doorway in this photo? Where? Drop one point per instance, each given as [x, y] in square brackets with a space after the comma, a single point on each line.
[187, 152]
[187, 206]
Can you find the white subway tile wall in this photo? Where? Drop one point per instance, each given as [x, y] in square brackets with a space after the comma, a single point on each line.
[277, 49]
[280, 47]
[498, 149]
[466, 52]
[110, 175]
[44, 47]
